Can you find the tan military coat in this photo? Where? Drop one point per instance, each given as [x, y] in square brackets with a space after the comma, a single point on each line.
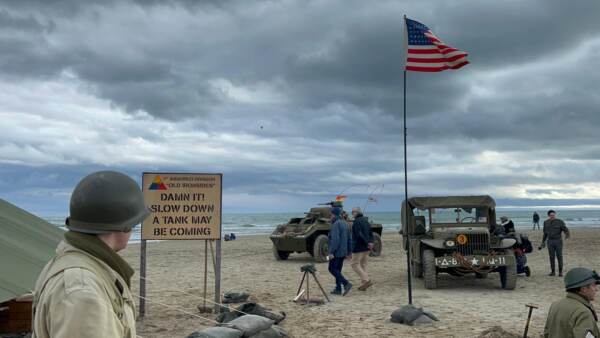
[78, 295]
[572, 317]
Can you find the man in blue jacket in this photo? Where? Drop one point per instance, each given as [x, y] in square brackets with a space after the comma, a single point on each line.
[362, 244]
[340, 248]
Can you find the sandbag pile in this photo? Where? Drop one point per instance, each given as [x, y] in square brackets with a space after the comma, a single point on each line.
[250, 308]
[497, 332]
[235, 297]
[411, 315]
[246, 326]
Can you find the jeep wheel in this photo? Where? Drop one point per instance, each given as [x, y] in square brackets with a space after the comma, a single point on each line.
[377, 246]
[321, 249]
[508, 275]
[280, 255]
[429, 272]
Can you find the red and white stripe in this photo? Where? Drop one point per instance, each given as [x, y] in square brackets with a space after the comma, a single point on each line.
[434, 58]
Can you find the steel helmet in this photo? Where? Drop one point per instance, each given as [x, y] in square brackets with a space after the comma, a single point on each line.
[106, 201]
[578, 277]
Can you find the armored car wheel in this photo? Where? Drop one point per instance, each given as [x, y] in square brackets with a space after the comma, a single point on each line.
[321, 249]
[377, 246]
[508, 277]
[280, 255]
[429, 272]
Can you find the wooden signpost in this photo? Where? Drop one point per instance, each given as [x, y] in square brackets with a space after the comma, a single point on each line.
[184, 207]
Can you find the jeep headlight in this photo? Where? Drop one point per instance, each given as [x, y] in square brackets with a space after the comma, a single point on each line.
[450, 243]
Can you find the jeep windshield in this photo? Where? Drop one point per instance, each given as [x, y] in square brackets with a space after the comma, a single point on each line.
[455, 215]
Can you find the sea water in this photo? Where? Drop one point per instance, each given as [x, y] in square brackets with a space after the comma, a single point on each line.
[265, 223]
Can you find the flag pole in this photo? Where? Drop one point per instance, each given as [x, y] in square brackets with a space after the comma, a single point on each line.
[408, 272]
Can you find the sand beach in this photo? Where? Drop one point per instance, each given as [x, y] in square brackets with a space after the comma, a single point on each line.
[465, 306]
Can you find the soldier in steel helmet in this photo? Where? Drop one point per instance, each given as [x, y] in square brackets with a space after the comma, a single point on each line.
[574, 316]
[84, 291]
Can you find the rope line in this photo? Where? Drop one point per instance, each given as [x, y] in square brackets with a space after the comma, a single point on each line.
[177, 309]
[196, 296]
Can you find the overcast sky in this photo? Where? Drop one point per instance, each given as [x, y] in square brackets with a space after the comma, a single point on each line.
[294, 101]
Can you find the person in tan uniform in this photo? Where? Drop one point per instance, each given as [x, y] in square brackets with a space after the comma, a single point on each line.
[362, 244]
[84, 291]
[574, 316]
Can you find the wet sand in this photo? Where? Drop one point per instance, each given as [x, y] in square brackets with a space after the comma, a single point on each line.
[466, 306]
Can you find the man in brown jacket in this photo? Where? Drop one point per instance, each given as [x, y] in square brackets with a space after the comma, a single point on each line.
[84, 291]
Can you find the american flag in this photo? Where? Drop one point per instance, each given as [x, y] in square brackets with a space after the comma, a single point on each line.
[427, 53]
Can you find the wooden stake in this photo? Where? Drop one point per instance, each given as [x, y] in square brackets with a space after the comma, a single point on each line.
[205, 270]
[218, 278]
[143, 279]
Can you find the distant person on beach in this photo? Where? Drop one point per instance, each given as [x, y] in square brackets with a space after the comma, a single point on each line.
[574, 315]
[362, 244]
[508, 225]
[84, 291]
[340, 248]
[536, 220]
[553, 229]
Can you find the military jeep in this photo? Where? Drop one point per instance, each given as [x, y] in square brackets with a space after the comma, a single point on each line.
[309, 234]
[457, 235]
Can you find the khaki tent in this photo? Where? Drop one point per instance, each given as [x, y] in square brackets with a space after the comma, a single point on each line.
[27, 243]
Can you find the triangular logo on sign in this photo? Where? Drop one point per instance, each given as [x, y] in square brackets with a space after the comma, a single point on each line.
[157, 184]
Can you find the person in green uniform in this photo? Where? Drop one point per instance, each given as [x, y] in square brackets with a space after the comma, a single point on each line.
[553, 229]
[574, 316]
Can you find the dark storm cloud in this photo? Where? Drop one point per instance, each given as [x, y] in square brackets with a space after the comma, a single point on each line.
[360, 65]
[22, 23]
[321, 83]
[504, 33]
[362, 68]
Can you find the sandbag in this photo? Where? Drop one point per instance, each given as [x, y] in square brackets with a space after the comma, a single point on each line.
[217, 332]
[406, 314]
[274, 332]
[226, 317]
[249, 324]
[257, 309]
[251, 309]
[430, 315]
[235, 297]
[422, 319]
[282, 332]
